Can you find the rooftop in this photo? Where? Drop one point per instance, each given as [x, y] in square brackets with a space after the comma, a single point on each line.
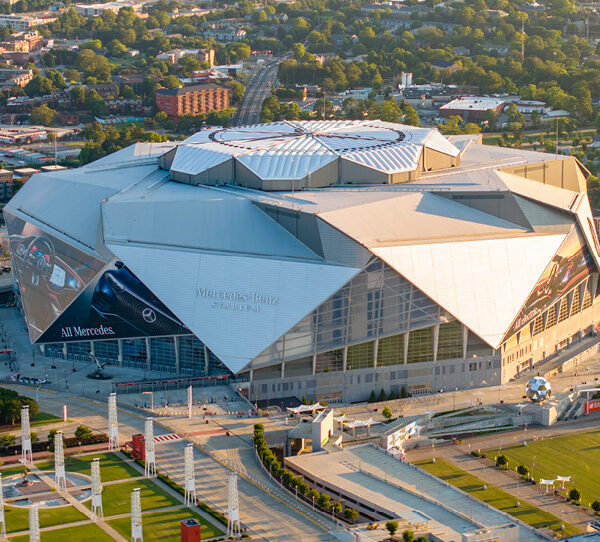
[189, 88]
[475, 103]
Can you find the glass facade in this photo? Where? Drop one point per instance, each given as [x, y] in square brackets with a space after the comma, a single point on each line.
[420, 345]
[450, 341]
[360, 356]
[377, 303]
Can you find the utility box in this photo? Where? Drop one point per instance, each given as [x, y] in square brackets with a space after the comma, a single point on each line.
[191, 531]
[138, 445]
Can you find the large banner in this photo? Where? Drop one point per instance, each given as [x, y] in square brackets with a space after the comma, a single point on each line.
[569, 266]
[69, 295]
[49, 273]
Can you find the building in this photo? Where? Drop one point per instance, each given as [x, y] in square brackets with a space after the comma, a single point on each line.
[94, 10]
[192, 99]
[23, 174]
[202, 55]
[11, 77]
[320, 258]
[227, 34]
[26, 42]
[27, 22]
[6, 184]
[68, 118]
[472, 108]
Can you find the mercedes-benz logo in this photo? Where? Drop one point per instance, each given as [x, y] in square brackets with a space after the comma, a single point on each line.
[149, 315]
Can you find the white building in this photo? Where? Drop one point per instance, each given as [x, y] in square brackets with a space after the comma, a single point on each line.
[317, 258]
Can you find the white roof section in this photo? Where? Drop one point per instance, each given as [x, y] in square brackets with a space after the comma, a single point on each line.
[294, 149]
[269, 295]
[474, 103]
[483, 284]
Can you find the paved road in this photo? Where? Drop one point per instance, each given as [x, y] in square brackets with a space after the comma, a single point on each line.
[257, 90]
[261, 511]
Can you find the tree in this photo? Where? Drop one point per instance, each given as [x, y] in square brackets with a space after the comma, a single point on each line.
[350, 514]
[408, 535]
[372, 397]
[393, 395]
[596, 506]
[336, 507]
[77, 95]
[42, 115]
[403, 393]
[83, 433]
[7, 440]
[490, 119]
[575, 495]
[170, 81]
[502, 461]
[324, 501]
[522, 470]
[382, 396]
[392, 527]
[387, 413]
[411, 117]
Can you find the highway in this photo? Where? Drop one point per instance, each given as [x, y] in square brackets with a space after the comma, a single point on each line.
[257, 90]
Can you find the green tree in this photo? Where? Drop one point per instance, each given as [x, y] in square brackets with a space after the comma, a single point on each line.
[350, 514]
[42, 115]
[336, 507]
[490, 119]
[408, 535]
[372, 397]
[392, 527]
[403, 393]
[502, 461]
[324, 501]
[77, 95]
[170, 81]
[7, 440]
[382, 396]
[83, 433]
[387, 413]
[575, 495]
[411, 117]
[522, 470]
[596, 506]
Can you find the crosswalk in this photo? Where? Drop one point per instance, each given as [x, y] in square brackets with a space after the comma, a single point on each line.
[167, 438]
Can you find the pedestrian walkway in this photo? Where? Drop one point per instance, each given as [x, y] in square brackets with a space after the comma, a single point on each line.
[534, 494]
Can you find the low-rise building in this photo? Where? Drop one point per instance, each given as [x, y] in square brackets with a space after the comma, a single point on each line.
[26, 22]
[226, 35]
[472, 108]
[6, 184]
[10, 77]
[94, 10]
[192, 100]
[202, 55]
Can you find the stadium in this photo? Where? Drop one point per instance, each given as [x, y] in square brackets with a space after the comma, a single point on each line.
[322, 259]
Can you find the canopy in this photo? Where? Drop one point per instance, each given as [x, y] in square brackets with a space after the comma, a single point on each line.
[304, 408]
[546, 482]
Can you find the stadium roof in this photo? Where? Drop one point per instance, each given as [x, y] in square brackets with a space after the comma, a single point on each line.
[453, 233]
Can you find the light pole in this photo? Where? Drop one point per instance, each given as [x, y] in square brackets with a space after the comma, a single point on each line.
[532, 465]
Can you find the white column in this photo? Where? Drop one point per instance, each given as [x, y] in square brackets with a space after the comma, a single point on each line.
[26, 454]
[375, 352]
[233, 509]
[97, 512]
[177, 360]
[436, 340]
[59, 462]
[34, 524]
[282, 370]
[136, 516]
[345, 359]
[148, 354]
[150, 463]
[113, 425]
[92, 348]
[65, 350]
[190, 477]
[205, 359]
[405, 347]
[120, 354]
[2, 520]
[465, 339]
[314, 364]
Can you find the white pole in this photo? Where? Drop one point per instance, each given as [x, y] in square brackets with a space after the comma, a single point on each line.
[113, 424]
[233, 510]
[2, 520]
[190, 477]
[97, 511]
[59, 462]
[136, 516]
[26, 454]
[190, 401]
[150, 461]
[34, 524]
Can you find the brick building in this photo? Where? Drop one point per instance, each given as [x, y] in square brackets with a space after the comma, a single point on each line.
[192, 100]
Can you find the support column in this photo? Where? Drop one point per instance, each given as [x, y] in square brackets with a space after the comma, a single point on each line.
[177, 360]
[594, 279]
[65, 350]
[148, 354]
[465, 339]
[93, 348]
[205, 359]
[120, 352]
[375, 350]
[405, 346]
[314, 364]
[282, 370]
[43, 349]
[436, 339]
[344, 358]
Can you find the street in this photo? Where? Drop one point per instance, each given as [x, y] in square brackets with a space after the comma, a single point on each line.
[257, 90]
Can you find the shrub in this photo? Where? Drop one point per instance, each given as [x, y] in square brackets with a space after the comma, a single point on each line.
[596, 506]
[392, 527]
[372, 397]
[387, 413]
[575, 495]
[336, 507]
[393, 395]
[7, 440]
[382, 396]
[522, 470]
[84, 434]
[476, 453]
[408, 535]
[313, 494]
[350, 514]
[403, 393]
[324, 501]
[502, 461]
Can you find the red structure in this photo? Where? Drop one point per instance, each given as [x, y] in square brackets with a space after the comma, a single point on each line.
[138, 445]
[191, 531]
[192, 100]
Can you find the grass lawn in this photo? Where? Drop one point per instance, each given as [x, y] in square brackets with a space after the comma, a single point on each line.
[494, 496]
[43, 418]
[17, 519]
[89, 533]
[116, 498]
[573, 455]
[164, 525]
[111, 466]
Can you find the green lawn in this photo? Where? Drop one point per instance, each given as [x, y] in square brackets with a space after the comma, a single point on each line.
[573, 455]
[111, 466]
[495, 496]
[116, 498]
[88, 533]
[17, 519]
[43, 418]
[164, 525]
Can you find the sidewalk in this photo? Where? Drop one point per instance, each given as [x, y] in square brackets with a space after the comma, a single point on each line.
[534, 494]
